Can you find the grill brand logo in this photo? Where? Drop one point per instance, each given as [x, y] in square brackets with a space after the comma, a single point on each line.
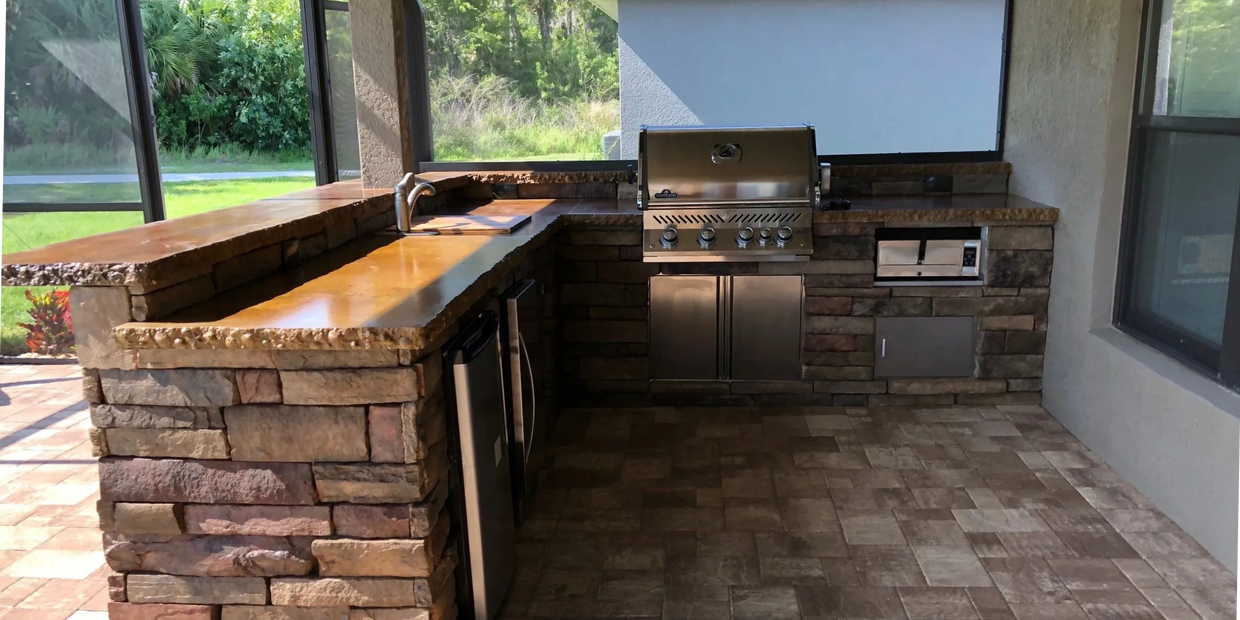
[667, 193]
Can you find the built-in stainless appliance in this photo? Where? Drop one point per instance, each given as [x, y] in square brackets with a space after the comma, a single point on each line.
[528, 427]
[728, 193]
[481, 478]
[725, 327]
[943, 255]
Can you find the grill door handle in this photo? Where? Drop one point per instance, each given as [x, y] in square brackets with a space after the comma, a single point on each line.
[883, 348]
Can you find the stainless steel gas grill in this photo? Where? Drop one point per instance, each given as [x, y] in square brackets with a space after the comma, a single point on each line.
[714, 194]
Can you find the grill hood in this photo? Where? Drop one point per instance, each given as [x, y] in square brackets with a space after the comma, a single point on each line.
[684, 167]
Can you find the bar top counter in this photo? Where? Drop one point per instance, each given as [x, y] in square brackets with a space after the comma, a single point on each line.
[316, 270]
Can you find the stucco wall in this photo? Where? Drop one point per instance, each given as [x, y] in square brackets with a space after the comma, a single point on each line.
[880, 76]
[1172, 433]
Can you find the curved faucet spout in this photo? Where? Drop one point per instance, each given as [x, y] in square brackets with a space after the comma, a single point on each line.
[406, 201]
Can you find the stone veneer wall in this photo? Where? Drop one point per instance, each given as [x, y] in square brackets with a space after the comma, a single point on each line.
[269, 484]
[294, 485]
[226, 492]
[605, 297]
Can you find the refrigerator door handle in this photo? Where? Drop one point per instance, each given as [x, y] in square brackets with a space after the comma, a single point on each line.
[528, 368]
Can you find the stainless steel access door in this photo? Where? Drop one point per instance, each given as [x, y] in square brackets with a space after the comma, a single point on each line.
[485, 477]
[684, 327]
[940, 346]
[765, 322]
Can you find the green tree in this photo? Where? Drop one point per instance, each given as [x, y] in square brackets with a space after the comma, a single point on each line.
[551, 50]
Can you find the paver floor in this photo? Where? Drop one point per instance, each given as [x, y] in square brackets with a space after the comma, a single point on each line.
[51, 558]
[866, 513]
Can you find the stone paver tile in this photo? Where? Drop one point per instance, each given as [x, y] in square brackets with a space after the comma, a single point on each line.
[1172, 544]
[1140, 573]
[876, 603]
[933, 533]
[75, 539]
[887, 565]
[36, 614]
[809, 514]
[1003, 520]
[1167, 601]
[54, 563]
[1068, 610]
[1026, 580]
[951, 566]
[98, 602]
[1035, 545]
[802, 544]
[937, 603]
[790, 571]
[764, 603]
[752, 515]
[871, 527]
[17, 590]
[633, 594]
[1193, 573]
[25, 537]
[63, 594]
[1138, 520]
[713, 571]
[83, 614]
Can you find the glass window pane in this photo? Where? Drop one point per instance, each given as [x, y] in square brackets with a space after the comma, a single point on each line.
[1186, 220]
[228, 81]
[1198, 70]
[68, 136]
[523, 80]
[344, 107]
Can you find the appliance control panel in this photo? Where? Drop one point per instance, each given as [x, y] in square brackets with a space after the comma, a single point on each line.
[969, 257]
[720, 235]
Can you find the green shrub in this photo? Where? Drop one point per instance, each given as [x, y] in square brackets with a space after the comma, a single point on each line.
[244, 83]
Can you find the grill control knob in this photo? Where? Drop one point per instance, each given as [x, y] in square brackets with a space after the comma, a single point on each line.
[764, 234]
[744, 236]
[707, 238]
[670, 237]
[783, 235]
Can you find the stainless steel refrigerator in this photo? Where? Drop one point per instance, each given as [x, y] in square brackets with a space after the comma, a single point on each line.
[527, 424]
[481, 475]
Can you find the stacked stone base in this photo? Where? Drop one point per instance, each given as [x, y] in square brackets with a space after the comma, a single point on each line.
[605, 304]
[302, 489]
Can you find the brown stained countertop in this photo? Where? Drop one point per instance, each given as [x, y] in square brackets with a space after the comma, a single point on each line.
[975, 209]
[393, 292]
[382, 292]
[162, 253]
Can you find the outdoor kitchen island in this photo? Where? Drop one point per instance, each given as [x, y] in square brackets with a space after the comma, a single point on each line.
[267, 389]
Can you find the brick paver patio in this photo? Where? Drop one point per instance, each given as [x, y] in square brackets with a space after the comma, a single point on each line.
[601, 525]
[51, 558]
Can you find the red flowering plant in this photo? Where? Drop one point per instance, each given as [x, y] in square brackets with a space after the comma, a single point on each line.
[50, 330]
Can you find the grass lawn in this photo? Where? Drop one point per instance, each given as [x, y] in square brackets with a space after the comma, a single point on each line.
[26, 231]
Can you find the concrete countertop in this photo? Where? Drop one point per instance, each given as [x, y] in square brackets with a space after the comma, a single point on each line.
[384, 291]
[393, 292]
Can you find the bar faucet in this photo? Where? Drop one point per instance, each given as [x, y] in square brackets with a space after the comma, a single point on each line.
[406, 199]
